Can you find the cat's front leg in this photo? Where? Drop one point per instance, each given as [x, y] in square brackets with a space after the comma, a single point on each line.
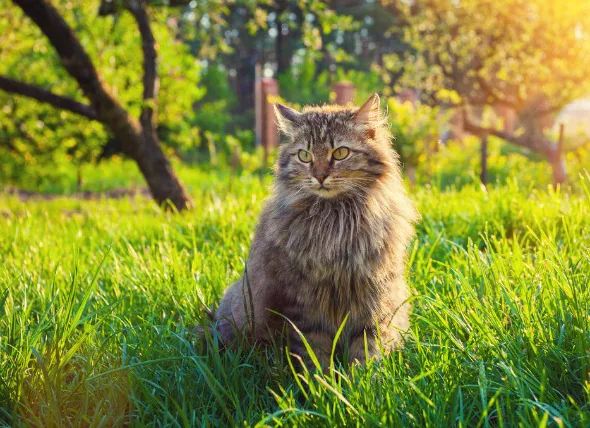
[373, 342]
[362, 345]
[241, 313]
[321, 346]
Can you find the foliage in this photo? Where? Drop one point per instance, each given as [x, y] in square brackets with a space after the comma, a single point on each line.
[457, 164]
[303, 84]
[366, 83]
[98, 300]
[115, 49]
[452, 165]
[215, 81]
[499, 54]
[416, 129]
[213, 112]
[33, 133]
[509, 51]
[258, 22]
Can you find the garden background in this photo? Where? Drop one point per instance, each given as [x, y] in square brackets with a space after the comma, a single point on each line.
[135, 158]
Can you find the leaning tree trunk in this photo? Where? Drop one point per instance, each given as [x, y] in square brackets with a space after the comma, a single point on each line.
[557, 160]
[154, 165]
[138, 140]
[161, 179]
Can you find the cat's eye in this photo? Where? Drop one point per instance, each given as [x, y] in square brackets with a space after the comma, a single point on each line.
[341, 153]
[304, 156]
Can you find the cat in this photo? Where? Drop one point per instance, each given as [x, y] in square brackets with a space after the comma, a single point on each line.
[331, 240]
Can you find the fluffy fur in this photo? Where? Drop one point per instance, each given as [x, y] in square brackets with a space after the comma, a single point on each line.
[331, 240]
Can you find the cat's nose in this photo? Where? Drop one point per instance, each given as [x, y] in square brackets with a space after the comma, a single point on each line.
[321, 177]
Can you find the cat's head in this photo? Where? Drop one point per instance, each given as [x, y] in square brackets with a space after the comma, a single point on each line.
[333, 151]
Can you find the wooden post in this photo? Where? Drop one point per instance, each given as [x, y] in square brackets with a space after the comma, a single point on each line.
[484, 160]
[344, 93]
[269, 130]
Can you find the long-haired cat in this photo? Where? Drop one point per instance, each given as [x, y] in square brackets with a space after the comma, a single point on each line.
[331, 240]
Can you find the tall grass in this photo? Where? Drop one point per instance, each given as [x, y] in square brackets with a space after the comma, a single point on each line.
[98, 300]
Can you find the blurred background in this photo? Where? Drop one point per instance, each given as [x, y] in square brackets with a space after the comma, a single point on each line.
[108, 95]
[109, 105]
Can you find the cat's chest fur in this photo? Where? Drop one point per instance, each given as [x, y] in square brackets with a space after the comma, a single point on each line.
[332, 243]
[331, 252]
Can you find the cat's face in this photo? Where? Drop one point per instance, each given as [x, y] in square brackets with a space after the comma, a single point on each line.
[332, 152]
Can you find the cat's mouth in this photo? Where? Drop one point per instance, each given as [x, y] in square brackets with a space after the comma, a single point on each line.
[325, 189]
[325, 192]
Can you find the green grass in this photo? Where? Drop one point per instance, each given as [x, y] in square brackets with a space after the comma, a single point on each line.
[97, 301]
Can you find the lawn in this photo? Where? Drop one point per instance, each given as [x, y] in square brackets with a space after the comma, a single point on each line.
[98, 299]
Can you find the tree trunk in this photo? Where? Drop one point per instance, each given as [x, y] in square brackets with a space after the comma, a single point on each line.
[557, 162]
[484, 160]
[158, 172]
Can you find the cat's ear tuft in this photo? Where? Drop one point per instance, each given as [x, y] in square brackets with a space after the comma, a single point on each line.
[369, 113]
[288, 119]
[369, 116]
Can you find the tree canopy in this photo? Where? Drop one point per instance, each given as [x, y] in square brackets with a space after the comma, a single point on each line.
[530, 56]
[38, 133]
[187, 68]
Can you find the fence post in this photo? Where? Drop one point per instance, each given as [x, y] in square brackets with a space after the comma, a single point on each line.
[257, 105]
[484, 160]
[344, 93]
[270, 135]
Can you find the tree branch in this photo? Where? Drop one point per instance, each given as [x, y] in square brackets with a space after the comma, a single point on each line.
[45, 96]
[110, 7]
[535, 143]
[520, 141]
[491, 92]
[150, 73]
[143, 147]
[79, 65]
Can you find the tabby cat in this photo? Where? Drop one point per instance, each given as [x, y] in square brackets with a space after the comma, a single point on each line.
[330, 242]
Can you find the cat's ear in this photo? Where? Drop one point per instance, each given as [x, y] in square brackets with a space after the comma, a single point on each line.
[369, 115]
[288, 119]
